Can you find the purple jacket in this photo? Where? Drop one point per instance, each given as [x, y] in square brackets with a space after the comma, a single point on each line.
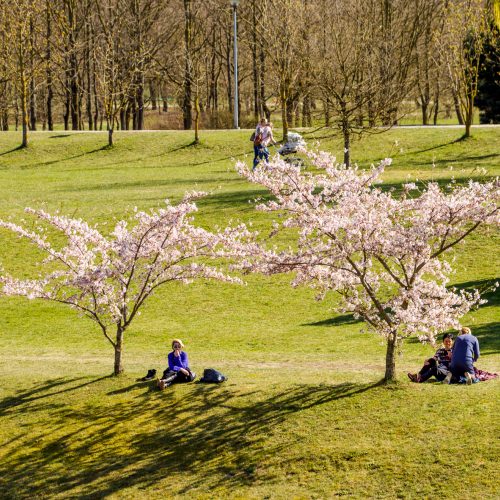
[176, 363]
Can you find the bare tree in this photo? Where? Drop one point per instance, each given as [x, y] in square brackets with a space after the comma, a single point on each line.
[22, 66]
[464, 35]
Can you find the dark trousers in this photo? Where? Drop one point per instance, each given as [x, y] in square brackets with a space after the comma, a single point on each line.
[177, 377]
[430, 369]
[459, 370]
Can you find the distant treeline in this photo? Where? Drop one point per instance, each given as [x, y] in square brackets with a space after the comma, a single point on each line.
[93, 64]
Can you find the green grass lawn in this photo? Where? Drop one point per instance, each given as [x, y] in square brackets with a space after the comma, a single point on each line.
[303, 414]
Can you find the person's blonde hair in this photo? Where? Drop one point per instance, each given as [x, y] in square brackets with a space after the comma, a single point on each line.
[177, 341]
[464, 330]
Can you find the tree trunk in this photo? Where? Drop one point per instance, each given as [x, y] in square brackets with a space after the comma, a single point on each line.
[196, 119]
[152, 94]
[140, 101]
[110, 139]
[255, 68]
[24, 110]
[326, 109]
[436, 109]
[425, 114]
[50, 91]
[188, 70]
[469, 115]
[263, 103]
[32, 78]
[457, 109]
[347, 143]
[32, 112]
[284, 112]
[119, 345]
[390, 358]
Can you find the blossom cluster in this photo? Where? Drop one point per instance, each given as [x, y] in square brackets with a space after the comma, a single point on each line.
[108, 278]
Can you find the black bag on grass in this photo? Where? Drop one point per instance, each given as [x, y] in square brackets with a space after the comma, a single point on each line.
[211, 376]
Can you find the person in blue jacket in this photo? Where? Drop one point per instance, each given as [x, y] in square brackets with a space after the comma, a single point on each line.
[178, 370]
[465, 352]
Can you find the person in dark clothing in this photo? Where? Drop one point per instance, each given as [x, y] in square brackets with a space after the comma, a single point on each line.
[178, 370]
[436, 366]
[465, 352]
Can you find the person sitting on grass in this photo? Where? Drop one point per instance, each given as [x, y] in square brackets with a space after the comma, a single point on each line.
[178, 370]
[438, 365]
[465, 353]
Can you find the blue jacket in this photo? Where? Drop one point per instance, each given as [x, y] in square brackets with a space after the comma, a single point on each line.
[465, 351]
[176, 363]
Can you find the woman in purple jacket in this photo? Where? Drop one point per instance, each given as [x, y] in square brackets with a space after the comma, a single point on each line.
[178, 367]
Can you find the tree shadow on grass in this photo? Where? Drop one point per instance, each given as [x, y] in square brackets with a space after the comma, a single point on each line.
[42, 391]
[485, 288]
[489, 338]
[462, 138]
[214, 435]
[344, 319]
[17, 148]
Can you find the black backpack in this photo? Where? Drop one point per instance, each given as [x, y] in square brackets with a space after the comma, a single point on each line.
[211, 376]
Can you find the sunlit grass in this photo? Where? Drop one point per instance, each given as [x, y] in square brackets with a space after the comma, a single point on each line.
[302, 415]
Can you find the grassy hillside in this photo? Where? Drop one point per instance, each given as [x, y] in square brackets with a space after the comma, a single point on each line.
[302, 415]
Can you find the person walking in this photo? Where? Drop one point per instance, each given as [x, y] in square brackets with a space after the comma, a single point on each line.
[257, 140]
[263, 139]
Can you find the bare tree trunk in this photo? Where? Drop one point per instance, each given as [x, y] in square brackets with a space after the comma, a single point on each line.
[118, 367]
[32, 78]
[164, 97]
[469, 115]
[346, 134]
[24, 109]
[32, 112]
[326, 106]
[74, 97]
[88, 68]
[390, 358]
[425, 115]
[50, 91]
[188, 70]
[255, 68]
[196, 119]
[457, 108]
[284, 112]
[140, 101]
[263, 103]
[436, 104]
[152, 94]
[110, 144]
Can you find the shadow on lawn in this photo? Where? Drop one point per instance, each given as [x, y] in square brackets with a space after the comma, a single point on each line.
[217, 436]
[489, 338]
[344, 319]
[42, 391]
[485, 287]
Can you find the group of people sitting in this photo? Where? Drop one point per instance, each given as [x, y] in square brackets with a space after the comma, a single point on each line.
[454, 362]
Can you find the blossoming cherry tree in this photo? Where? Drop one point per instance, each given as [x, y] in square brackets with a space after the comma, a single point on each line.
[382, 252]
[108, 279]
